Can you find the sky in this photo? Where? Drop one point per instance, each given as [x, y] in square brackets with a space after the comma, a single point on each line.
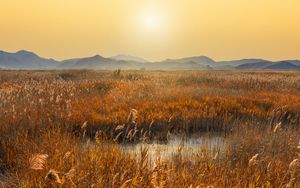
[152, 29]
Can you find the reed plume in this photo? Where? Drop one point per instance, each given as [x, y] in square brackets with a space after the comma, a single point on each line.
[37, 161]
[67, 155]
[126, 183]
[116, 139]
[294, 164]
[132, 116]
[277, 127]
[71, 173]
[120, 127]
[84, 125]
[253, 160]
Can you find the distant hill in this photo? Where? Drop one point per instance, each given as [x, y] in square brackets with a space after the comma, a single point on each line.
[80, 63]
[295, 62]
[98, 62]
[25, 60]
[201, 60]
[253, 66]
[240, 62]
[223, 67]
[282, 65]
[173, 65]
[29, 60]
[122, 57]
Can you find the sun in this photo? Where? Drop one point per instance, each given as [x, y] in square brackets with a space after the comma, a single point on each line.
[152, 25]
[151, 20]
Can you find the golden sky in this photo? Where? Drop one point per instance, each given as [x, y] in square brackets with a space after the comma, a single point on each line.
[153, 29]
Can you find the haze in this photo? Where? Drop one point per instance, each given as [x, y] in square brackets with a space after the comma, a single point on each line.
[155, 30]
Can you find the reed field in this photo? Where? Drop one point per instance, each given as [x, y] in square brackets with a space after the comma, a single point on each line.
[79, 129]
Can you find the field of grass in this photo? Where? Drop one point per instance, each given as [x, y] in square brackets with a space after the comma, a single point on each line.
[68, 128]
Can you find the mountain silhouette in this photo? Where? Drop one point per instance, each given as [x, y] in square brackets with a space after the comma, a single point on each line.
[122, 57]
[25, 60]
[28, 60]
[283, 65]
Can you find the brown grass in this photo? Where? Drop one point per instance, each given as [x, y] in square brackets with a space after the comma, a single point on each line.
[64, 128]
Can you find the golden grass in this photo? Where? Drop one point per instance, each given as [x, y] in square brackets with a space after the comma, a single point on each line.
[63, 129]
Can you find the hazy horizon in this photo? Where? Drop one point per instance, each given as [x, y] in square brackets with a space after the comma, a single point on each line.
[153, 30]
[122, 54]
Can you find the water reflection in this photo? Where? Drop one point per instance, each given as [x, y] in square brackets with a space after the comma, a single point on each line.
[187, 146]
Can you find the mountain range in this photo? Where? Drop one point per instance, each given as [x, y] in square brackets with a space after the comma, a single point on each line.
[29, 60]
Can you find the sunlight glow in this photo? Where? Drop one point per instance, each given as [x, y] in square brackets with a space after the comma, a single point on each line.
[156, 29]
[152, 21]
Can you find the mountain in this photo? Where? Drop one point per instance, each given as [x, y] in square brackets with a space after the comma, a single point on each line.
[295, 62]
[253, 66]
[173, 65]
[240, 62]
[188, 63]
[24, 60]
[82, 62]
[201, 60]
[29, 60]
[122, 57]
[97, 62]
[282, 65]
[223, 67]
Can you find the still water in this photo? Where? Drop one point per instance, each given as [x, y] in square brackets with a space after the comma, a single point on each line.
[187, 147]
